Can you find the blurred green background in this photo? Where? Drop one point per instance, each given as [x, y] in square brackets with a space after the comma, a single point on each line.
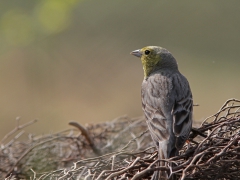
[64, 60]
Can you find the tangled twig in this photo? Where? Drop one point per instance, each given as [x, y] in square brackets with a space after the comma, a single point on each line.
[127, 151]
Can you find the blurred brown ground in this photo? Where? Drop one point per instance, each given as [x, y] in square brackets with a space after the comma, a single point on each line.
[69, 60]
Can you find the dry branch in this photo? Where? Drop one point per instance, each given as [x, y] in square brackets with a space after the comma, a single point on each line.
[127, 152]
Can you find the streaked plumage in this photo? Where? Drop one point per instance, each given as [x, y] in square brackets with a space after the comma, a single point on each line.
[166, 101]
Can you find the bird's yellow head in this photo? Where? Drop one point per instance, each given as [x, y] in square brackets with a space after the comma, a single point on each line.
[154, 58]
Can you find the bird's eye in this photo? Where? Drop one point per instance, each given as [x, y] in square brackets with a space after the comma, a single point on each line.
[147, 52]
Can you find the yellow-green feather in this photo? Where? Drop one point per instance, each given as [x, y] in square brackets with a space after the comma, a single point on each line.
[149, 61]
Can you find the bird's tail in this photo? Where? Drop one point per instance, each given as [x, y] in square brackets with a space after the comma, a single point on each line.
[160, 175]
[162, 154]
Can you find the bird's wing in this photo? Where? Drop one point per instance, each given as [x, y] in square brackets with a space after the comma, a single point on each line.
[155, 112]
[157, 123]
[182, 115]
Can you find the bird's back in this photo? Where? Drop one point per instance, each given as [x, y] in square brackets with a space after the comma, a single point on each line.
[162, 93]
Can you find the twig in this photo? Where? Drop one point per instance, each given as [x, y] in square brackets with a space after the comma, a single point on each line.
[87, 136]
[18, 127]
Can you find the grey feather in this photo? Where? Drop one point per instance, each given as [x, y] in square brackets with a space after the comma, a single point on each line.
[167, 104]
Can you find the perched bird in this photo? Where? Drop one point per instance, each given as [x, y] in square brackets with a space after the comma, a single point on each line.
[166, 102]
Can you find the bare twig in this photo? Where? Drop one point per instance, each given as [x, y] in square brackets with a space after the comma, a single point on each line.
[213, 150]
[87, 136]
[17, 128]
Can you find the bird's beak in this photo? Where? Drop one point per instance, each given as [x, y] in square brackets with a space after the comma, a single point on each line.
[136, 53]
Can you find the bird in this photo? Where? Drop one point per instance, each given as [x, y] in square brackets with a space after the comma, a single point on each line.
[167, 103]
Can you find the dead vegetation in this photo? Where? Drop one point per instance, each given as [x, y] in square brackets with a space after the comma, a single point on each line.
[123, 149]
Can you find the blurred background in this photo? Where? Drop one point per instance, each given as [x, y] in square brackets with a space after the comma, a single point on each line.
[64, 60]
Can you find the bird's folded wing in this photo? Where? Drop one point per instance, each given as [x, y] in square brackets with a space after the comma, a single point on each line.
[156, 121]
[182, 120]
